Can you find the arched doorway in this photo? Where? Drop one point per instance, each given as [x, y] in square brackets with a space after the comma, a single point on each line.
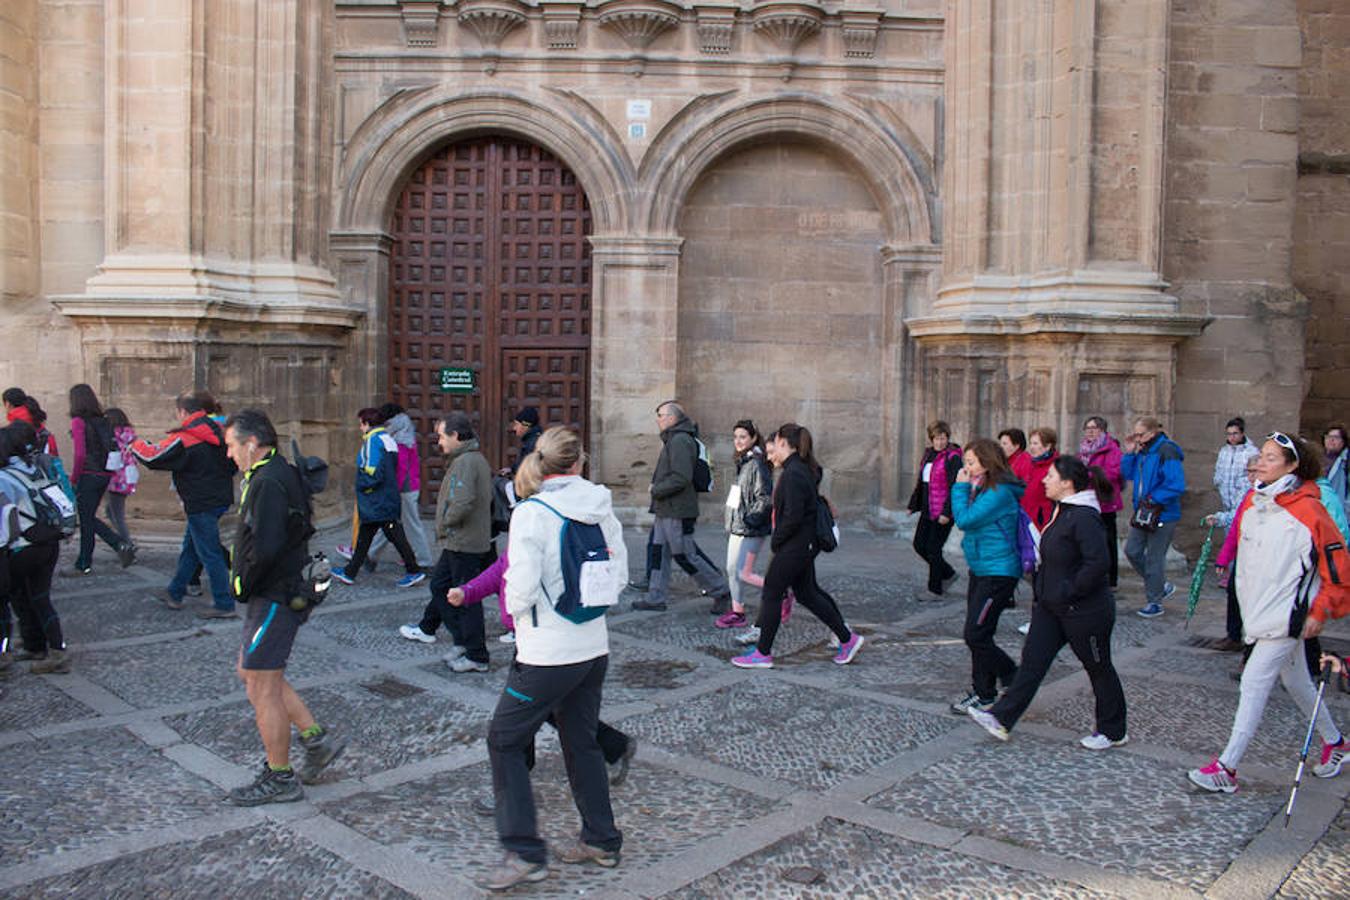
[490, 272]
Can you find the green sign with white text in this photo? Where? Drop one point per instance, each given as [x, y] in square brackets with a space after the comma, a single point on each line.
[457, 381]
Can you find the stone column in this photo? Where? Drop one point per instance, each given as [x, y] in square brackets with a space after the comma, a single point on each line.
[1053, 186]
[634, 351]
[18, 147]
[911, 274]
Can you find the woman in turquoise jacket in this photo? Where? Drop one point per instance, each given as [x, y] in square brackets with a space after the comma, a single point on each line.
[986, 500]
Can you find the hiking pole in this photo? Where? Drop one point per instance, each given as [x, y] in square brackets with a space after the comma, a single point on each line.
[1307, 741]
[1198, 576]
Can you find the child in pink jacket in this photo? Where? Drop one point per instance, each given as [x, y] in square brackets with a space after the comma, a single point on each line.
[490, 581]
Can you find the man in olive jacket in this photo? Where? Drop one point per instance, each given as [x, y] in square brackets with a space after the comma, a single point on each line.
[675, 503]
[464, 533]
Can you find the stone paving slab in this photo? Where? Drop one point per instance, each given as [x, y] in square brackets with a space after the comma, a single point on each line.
[130, 612]
[693, 629]
[387, 721]
[774, 729]
[67, 792]
[200, 666]
[31, 701]
[269, 860]
[856, 861]
[1111, 809]
[1192, 719]
[375, 629]
[661, 814]
[1324, 873]
[935, 668]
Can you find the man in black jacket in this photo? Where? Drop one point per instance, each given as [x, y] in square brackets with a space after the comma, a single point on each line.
[203, 477]
[271, 547]
[675, 503]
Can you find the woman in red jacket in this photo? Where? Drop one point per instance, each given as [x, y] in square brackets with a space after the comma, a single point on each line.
[1043, 447]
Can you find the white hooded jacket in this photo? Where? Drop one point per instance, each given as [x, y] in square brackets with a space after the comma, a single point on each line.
[544, 638]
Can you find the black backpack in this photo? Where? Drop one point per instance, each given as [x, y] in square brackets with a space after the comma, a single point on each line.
[827, 533]
[501, 505]
[317, 575]
[703, 471]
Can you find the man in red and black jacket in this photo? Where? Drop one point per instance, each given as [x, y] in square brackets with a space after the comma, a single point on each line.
[203, 477]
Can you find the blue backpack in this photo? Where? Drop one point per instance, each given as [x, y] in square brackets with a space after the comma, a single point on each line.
[591, 580]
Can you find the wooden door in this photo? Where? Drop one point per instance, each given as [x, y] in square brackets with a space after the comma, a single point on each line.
[490, 270]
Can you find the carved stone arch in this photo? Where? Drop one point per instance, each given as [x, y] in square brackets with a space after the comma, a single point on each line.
[900, 176]
[388, 146]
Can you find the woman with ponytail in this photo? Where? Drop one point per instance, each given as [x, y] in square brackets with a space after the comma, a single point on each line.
[794, 552]
[559, 670]
[1073, 606]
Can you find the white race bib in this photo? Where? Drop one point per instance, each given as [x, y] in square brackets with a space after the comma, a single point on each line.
[57, 498]
[734, 497]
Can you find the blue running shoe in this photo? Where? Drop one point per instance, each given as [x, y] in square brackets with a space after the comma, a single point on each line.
[410, 579]
[340, 573]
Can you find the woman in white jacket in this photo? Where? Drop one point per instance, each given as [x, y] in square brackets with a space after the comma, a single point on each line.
[1290, 577]
[560, 665]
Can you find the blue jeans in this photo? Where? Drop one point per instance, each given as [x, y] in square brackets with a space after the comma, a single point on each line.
[201, 544]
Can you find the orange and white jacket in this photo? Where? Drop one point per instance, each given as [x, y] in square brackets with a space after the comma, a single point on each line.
[1291, 563]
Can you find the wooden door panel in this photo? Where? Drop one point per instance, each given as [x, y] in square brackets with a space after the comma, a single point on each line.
[490, 259]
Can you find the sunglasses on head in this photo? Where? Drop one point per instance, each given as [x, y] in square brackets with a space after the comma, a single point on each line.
[1284, 441]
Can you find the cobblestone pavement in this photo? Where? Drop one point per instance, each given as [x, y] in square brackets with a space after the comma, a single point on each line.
[811, 780]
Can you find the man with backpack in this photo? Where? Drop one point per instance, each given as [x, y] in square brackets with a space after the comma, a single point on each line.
[682, 472]
[43, 516]
[271, 549]
[203, 477]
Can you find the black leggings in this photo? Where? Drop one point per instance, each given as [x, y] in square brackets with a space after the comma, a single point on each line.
[394, 532]
[795, 569]
[1088, 633]
[30, 576]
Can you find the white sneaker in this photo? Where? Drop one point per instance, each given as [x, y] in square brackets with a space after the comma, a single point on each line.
[462, 664]
[988, 722]
[415, 633]
[455, 653]
[1024, 628]
[1098, 741]
[748, 636]
[508, 638]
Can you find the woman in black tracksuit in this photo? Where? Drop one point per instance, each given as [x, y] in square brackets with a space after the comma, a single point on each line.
[794, 552]
[1074, 605]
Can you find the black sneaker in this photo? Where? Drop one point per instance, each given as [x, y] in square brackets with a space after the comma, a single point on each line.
[721, 604]
[163, 596]
[268, 787]
[126, 553]
[320, 750]
[649, 605]
[618, 770]
[642, 586]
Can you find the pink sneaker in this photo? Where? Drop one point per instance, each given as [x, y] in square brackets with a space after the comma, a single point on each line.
[1214, 777]
[753, 660]
[345, 551]
[732, 619]
[788, 599]
[848, 649]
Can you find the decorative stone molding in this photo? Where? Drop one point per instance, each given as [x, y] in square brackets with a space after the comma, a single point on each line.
[639, 22]
[562, 24]
[716, 27]
[421, 22]
[491, 20]
[787, 24]
[859, 29]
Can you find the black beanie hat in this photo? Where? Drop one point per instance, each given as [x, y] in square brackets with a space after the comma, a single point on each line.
[527, 416]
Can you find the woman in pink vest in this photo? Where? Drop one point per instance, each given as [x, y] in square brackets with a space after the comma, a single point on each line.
[932, 500]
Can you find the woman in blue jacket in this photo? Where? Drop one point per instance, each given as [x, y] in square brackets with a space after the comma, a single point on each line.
[985, 502]
[378, 503]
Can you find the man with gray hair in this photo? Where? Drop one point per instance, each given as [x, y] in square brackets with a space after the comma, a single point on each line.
[675, 502]
[464, 532]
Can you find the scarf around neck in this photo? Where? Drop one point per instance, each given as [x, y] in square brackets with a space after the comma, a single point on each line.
[1087, 449]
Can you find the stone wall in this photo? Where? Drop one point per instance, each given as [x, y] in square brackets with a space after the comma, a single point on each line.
[780, 307]
[1322, 211]
[1228, 242]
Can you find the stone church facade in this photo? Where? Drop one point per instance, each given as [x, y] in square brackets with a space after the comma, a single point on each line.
[861, 216]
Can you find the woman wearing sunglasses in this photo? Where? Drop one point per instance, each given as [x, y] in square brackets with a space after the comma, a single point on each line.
[1282, 526]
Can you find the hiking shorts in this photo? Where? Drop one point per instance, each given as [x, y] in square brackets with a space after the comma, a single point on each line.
[269, 633]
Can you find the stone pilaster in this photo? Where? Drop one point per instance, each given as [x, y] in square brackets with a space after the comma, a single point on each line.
[634, 347]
